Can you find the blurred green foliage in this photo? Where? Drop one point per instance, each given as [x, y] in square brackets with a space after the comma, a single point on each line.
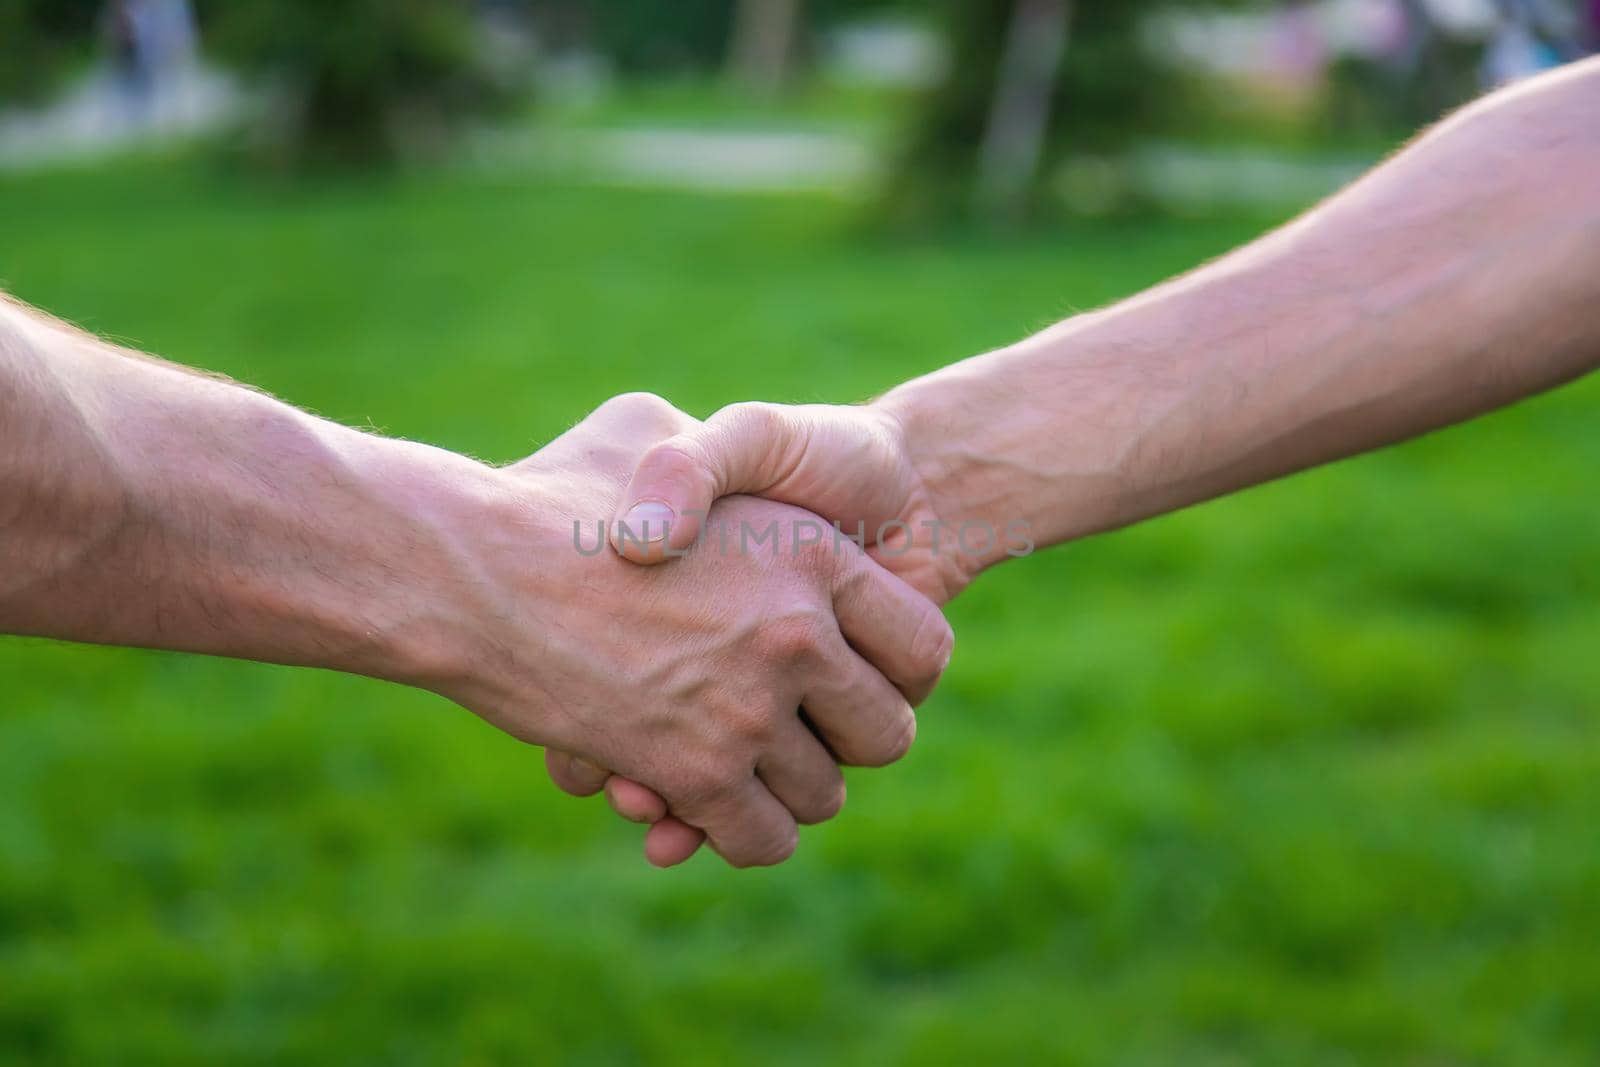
[1109, 92]
[1365, 97]
[38, 38]
[1307, 776]
[649, 37]
[356, 81]
[646, 36]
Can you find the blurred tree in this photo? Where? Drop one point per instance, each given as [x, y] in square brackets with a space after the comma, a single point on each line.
[643, 36]
[1027, 81]
[1389, 96]
[761, 42]
[771, 40]
[1019, 112]
[767, 35]
[356, 81]
[38, 38]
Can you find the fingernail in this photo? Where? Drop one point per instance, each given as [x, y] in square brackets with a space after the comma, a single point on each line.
[949, 650]
[647, 521]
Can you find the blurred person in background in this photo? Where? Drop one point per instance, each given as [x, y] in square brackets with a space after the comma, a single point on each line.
[130, 71]
[1532, 36]
[153, 47]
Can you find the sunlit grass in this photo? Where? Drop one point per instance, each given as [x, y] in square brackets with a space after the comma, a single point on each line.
[1308, 775]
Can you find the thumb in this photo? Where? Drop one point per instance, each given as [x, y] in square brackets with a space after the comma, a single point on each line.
[744, 448]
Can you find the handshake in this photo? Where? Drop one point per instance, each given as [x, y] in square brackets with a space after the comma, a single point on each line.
[716, 695]
[706, 619]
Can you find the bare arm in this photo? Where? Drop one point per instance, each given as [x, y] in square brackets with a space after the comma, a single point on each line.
[144, 504]
[1459, 276]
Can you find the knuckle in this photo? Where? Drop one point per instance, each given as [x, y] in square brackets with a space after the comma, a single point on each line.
[636, 404]
[827, 802]
[794, 637]
[749, 726]
[675, 456]
[816, 552]
[647, 410]
[571, 775]
[852, 566]
[892, 744]
[701, 789]
[634, 802]
[931, 646]
[773, 851]
[749, 416]
[853, 575]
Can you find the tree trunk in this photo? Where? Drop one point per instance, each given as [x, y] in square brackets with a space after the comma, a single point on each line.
[766, 44]
[1019, 115]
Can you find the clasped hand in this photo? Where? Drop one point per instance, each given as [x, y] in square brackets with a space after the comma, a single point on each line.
[724, 688]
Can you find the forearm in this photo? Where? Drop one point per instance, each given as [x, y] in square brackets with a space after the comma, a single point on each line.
[142, 504]
[1458, 277]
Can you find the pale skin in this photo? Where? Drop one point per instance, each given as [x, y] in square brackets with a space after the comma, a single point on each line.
[144, 504]
[1460, 276]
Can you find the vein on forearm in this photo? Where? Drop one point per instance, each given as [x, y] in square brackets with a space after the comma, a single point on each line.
[60, 497]
[1460, 276]
[143, 504]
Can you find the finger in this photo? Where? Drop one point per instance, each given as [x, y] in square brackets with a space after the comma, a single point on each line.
[802, 774]
[671, 841]
[574, 774]
[744, 448]
[633, 801]
[895, 628]
[864, 719]
[620, 428]
[745, 823]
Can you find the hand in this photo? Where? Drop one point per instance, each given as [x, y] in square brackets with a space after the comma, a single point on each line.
[689, 680]
[148, 505]
[851, 465]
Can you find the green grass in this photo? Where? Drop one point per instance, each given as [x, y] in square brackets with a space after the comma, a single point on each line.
[715, 104]
[1305, 776]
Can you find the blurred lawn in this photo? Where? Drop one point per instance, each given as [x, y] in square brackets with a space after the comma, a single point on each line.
[1307, 776]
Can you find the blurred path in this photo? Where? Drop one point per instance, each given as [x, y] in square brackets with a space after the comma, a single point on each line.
[764, 161]
[98, 117]
[711, 159]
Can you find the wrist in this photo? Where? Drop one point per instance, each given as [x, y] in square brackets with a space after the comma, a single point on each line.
[921, 419]
[447, 513]
[507, 556]
[371, 565]
[1021, 440]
